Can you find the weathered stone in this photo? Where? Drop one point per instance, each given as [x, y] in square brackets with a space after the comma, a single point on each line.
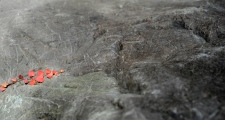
[123, 60]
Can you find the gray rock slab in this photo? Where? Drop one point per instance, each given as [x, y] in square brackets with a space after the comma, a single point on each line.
[123, 60]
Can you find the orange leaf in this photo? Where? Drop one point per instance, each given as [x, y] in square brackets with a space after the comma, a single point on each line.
[40, 73]
[5, 84]
[2, 89]
[25, 81]
[40, 79]
[61, 71]
[20, 76]
[47, 71]
[50, 75]
[14, 80]
[31, 73]
[32, 82]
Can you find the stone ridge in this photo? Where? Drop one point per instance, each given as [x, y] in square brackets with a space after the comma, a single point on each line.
[123, 60]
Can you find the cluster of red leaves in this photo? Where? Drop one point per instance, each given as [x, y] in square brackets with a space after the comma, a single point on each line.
[33, 78]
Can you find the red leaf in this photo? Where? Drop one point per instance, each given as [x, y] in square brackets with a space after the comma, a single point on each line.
[47, 71]
[32, 82]
[2, 89]
[14, 80]
[40, 79]
[20, 76]
[40, 73]
[50, 75]
[25, 81]
[55, 72]
[31, 73]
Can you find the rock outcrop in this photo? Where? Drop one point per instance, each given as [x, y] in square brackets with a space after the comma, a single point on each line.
[123, 60]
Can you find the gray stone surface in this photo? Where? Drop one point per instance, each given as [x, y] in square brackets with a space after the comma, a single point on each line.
[123, 59]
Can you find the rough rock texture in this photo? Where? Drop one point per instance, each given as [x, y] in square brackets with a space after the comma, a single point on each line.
[124, 59]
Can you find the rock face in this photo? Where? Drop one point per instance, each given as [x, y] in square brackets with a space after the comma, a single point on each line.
[123, 60]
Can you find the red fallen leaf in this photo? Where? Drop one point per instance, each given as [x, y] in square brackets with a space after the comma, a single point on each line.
[31, 73]
[5, 84]
[55, 72]
[40, 73]
[47, 71]
[14, 80]
[50, 75]
[40, 79]
[20, 76]
[25, 81]
[32, 82]
[61, 71]
[2, 89]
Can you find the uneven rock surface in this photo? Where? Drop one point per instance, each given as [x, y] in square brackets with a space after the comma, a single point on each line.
[123, 59]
